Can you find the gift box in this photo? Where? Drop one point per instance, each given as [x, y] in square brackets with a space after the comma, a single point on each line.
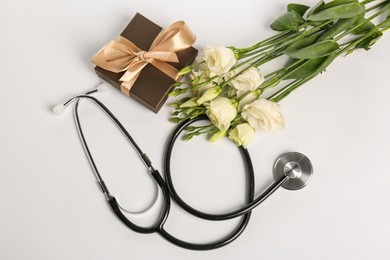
[151, 85]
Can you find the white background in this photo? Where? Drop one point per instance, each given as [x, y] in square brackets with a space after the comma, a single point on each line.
[51, 207]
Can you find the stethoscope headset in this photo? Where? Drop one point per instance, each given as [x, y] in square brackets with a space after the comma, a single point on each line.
[291, 171]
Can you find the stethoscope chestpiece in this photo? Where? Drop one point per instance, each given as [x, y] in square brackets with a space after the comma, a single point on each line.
[297, 167]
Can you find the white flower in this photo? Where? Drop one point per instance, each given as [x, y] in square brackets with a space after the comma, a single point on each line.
[263, 115]
[219, 60]
[210, 94]
[242, 134]
[248, 80]
[221, 112]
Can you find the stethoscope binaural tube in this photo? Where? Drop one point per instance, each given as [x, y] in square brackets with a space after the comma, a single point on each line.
[110, 198]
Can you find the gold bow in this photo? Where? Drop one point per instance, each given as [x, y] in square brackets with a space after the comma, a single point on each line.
[123, 55]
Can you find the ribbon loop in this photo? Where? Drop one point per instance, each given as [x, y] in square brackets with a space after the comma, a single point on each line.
[122, 55]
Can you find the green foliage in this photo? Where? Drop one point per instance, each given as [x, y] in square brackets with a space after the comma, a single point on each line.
[288, 21]
[365, 27]
[315, 8]
[310, 67]
[340, 26]
[302, 43]
[336, 10]
[304, 49]
[300, 9]
[334, 3]
[369, 41]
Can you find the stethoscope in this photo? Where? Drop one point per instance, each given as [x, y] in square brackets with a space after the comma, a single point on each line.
[291, 171]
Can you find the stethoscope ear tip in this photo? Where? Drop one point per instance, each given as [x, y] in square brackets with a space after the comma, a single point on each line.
[59, 109]
[102, 88]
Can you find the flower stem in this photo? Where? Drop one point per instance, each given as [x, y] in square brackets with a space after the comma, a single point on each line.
[270, 45]
[265, 42]
[284, 92]
[367, 2]
[365, 21]
[376, 6]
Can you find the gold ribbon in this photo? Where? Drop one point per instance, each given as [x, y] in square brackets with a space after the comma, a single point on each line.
[123, 55]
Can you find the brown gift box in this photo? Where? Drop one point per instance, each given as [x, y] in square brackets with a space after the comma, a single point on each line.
[152, 86]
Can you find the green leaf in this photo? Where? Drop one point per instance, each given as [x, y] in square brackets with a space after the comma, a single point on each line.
[315, 8]
[304, 70]
[343, 10]
[301, 43]
[321, 25]
[306, 49]
[300, 9]
[288, 21]
[365, 27]
[340, 26]
[310, 67]
[321, 5]
[367, 43]
[335, 3]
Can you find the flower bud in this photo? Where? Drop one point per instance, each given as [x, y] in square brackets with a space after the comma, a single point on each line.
[174, 105]
[242, 134]
[174, 120]
[188, 137]
[209, 95]
[177, 84]
[189, 103]
[175, 92]
[218, 135]
[185, 71]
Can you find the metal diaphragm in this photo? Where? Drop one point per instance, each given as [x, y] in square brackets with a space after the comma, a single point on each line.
[297, 167]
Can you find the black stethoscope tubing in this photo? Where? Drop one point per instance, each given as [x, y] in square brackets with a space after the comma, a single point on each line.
[167, 187]
[250, 205]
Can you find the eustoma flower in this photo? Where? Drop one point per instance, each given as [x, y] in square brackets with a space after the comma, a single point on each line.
[249, 80]
[263, 115]
[221, 112]
[219, 60]
[242, 134]
[227, 86]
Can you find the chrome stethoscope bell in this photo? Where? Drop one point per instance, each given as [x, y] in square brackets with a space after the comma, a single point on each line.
[297, 167]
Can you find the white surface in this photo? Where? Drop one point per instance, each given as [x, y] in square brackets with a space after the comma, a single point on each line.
[51, 207]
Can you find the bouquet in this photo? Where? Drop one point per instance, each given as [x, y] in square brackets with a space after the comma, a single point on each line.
[230, 87]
